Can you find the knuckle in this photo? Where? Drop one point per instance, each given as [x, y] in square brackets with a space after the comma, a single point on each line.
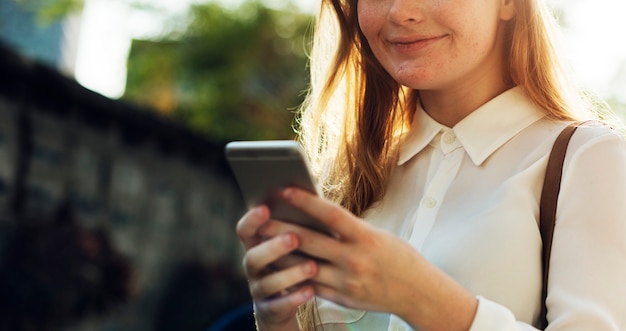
[245, 263]
[258, 289]
[246, 224]
[242, 225]
[239, 229]
[335, 215]
[248, 265]
[373, 241]
[360, 269]
[353, 286]
[357, 264]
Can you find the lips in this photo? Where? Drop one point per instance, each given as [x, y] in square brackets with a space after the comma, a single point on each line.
[413, 43]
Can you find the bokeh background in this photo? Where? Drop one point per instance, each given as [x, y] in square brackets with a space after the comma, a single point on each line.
[117, 209]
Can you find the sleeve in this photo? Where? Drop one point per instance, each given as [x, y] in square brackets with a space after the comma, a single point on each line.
[587, 280]
[493, 316]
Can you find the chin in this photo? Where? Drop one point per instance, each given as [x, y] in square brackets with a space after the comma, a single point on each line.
[415, 80]
[417, 83]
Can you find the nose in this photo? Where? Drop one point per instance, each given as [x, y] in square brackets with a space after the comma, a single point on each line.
[405, 11]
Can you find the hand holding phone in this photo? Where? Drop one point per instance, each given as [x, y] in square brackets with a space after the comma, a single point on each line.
[264, 168]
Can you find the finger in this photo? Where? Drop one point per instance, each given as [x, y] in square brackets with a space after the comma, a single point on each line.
[290, 260]
[328, 275]
[259, 257]
[283, 281]
[337, 219]
[333, 285]
[248, 226]
[283, 306]
[311, 242]
[329, 293]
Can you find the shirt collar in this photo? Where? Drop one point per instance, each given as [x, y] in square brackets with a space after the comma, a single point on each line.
[482, 132]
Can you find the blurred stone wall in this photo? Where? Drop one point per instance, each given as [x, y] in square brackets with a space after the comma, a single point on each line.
[164, 194]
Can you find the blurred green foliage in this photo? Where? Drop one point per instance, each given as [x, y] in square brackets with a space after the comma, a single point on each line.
[232, 74]
[49, 11]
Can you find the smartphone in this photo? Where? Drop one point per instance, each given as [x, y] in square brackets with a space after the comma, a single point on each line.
[264, 168]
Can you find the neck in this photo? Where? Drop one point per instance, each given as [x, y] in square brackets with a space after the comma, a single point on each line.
[452, 102]
[451, 106]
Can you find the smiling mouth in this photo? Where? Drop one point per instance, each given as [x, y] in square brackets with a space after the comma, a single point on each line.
[415, 45]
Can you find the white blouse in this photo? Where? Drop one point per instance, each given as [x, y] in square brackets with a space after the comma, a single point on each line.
[467, 198]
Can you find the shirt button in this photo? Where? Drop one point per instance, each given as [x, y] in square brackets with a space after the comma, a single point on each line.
[449, 138]
[429, 202]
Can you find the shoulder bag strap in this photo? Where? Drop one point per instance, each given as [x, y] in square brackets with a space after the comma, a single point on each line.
[547, 207]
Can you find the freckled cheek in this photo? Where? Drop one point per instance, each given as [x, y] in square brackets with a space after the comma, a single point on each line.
[369, 21]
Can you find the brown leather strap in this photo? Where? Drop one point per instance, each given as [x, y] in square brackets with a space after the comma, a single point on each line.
[547, 207]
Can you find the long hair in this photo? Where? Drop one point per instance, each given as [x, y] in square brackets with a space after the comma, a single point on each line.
[355, 112]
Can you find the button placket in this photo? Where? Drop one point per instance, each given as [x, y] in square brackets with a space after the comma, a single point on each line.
[435, 191]
[429, 202]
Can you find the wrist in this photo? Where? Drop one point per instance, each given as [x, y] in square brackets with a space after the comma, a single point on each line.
[445, 306]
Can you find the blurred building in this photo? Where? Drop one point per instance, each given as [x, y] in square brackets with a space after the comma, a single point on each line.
[164, 194]
[53, 42]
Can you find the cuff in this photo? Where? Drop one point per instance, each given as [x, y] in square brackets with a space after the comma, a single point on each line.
[492, 316]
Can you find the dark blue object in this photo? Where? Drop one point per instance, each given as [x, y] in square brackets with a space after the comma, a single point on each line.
[238, 319]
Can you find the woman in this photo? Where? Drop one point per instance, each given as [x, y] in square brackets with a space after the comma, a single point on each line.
[432, 121]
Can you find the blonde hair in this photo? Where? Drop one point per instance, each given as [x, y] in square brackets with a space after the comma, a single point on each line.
[355, 112]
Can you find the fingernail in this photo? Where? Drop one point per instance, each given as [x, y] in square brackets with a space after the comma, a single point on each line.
[288, 193]
[289, 240]
[307, 293]
[258, 212]
[309, 268]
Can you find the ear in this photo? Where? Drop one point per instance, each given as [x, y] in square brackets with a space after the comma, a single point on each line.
[507, 9]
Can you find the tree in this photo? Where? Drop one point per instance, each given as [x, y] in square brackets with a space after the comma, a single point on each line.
[51, 10]
[232, 74]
